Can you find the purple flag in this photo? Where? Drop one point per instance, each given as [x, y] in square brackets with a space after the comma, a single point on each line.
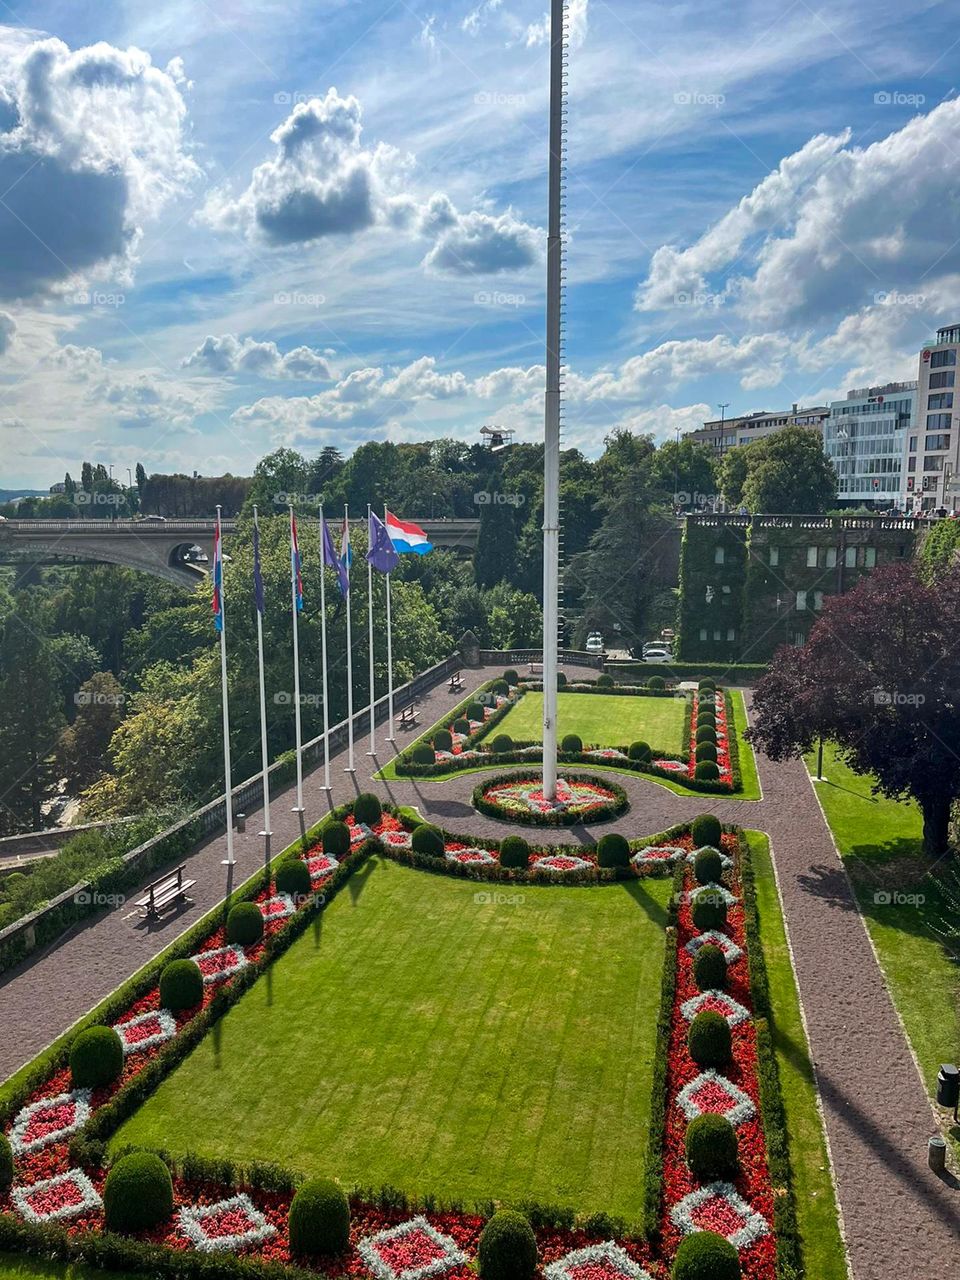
[382, 554]
[257, 575]
[333, 561]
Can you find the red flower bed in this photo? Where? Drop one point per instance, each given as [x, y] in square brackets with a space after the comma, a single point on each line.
[723, 744]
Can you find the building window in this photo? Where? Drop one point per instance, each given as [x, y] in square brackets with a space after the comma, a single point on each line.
[818, 600]
[938, 421]
[718, 635]
[799, 640]
[939, 441]
[850, 557]
[870, 557]
[812, 557]
[941, 358]
[801, 599]
[934, 462]
[718, 555]
[831, 557]
[703, 633]
[943, 400]
[913, 444]
[911, 464]
[944, 379]
[731, 634]
[774, 555]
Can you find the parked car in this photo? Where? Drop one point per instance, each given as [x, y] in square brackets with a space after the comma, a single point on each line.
[657, 655]
[594, 642]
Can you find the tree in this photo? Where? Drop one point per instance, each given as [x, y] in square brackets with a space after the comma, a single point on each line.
[496, 554]
[733, 474]
[788, 473]
[86, 477]
[141, 477]
[686, 471]
[83, 746]
[880, 675]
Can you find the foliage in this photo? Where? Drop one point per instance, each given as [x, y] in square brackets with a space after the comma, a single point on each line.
[138, 1192]
[96, 1058]
[613, 850]
[706, 771]
[711, 1148]
[293, 876]
[442, 740]
[502, 742]
[422, 753]
[336, 838]
[710, 968]
[507, 1249]
[181, 985]
[245, 924]
[571, 742]
[367, 808]
[708, 865]
[706, 752]
[511, 676]
[6, 1164]
[656, 682]
[319, 1219]
[706, 1256]
[427, 839]
[706, 829]
[514, 853]
[708, 909]
[708, 1039]
[639, 751]
[786, 472]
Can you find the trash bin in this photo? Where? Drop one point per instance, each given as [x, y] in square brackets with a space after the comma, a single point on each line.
[948, 1086]
[937, 1154]
[241, 821]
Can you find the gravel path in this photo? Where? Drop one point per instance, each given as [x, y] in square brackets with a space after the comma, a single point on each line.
[900, 1221]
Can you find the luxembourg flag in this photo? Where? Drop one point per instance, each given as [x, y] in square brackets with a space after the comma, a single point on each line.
[406, 536]
[295, 565]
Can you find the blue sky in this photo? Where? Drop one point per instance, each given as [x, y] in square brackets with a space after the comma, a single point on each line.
[224, 228]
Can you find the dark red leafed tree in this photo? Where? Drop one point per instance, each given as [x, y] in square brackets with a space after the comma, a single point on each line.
[880, 675]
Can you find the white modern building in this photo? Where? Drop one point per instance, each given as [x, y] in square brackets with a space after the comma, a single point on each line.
[932, 449]
[728, 433]
[865, 437]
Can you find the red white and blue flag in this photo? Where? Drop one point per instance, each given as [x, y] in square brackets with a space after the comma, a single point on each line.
[217, 578]
[295, 562]
[406, 536]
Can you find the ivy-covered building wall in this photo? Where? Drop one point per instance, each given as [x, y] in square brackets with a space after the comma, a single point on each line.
[749, 584]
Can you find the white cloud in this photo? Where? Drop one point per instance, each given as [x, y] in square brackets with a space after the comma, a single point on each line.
[477, 16]
[8, 330]
[575, 26]
[229, 354]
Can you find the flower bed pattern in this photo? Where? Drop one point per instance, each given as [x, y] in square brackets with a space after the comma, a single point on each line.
[578, 799]
[411, 1251]
[229, 1224]
[596, 1262]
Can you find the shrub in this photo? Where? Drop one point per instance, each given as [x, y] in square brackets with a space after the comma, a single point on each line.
[706, 829]
[502, 742]
[96, 1057]
[706, 751]
[6, 1164]
[708, 865]
[423, 753]
[511, 676]
[245, 922]
[639, 751]
[706, 1256]
[138, 1192]
[606, 681]
[708, 909]
[461, 725]
[335, 839]
[706, 733]
[707, 682]
[443, 740]
[427, 840]
[561, 679]
[514, 853]
[571, 742]
[319, 1220]
[709, 1039]
[501, 687]
[707, 771]
[181, 985]
[711, 1147]
[293, 877]
[475, 711]
[710, 968]
[656, 682]
[706, 715]
[507, 1249]
[613, 850]
[367, 807]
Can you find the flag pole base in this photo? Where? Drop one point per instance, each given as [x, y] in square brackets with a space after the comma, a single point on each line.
[298, 808]
[326, 787]
[350, 768]
[391, 737]
[228, 862]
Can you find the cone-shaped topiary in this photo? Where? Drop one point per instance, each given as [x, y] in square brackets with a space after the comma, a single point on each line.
[335, 839]
[181, 985]
[711, 1147]
[367, 807]
[571, 742]
[96, 1057]
[427, 839]
[710, 968]
[245, 923]
[138, 1192]
[639, 751]
[319, 1219]
[502, 742]
[706, 1256]
[706, 830]
[708, 1039]
[6, 1164]
[514, 853]
[613, 850]
[507, 1249]
[707, 771]
[293, 877]
[708, 909]
[708, 865]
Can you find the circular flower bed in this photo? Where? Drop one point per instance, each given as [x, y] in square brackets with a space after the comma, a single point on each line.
[521, 799]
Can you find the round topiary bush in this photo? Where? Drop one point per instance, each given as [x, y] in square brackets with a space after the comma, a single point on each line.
[613, 850]
[461, 725]
[443, 740]
[245, 923]
[181, 985]
[707, 771]
[706, 733]
[606, 681]
[367, 807]
[138, 1192]
[706, 830]
[475, 711]
[708, 865]
[656, 682]
[706, 751]
[571, 742]
[706, 683]
[710, 968]
[423, 753]
[706, 1256]
[502, 742]
[706, 715]
[96, 1057]
[507, 1249]
[711, 1148]
[427, 840]
[708, 909]
[708, 1039]
[6, 1164]
[293, 877]
[511, 676]
[501, 687]
[639, 751]
[319, 1219]
[335, 839]
[514, 853]
[561, 679]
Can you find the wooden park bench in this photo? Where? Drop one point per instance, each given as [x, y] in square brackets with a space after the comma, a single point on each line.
[164, 893]
[456, 682]
[408, 717]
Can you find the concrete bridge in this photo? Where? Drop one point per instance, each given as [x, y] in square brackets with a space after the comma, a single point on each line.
[179, 551]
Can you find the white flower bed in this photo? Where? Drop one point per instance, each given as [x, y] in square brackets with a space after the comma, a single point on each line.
[727, 945]
[84, 1200]
[657, 854]
[712, 1083]
[718, 1002]
[30, 1134]
[162, 1019]
[693, 1214]
[193, 1218]
[440, 1252]
[609, 1257]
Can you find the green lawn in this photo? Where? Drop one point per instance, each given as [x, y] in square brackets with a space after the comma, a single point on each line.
[428, 1038]
[816, 1201]
[609, 720]
[879, 841]
[15, 1266]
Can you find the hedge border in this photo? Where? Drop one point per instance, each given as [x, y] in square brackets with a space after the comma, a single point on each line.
[560, 819]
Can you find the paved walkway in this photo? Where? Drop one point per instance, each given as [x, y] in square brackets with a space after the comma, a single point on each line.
[899, 1219]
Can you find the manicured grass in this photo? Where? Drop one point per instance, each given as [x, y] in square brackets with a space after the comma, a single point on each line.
[816, 1201]
[749, 776]
[425, 1036]
[14, 1266]
[880, 843]
[606, 720]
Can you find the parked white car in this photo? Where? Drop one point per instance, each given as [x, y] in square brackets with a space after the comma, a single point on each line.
[657, 655]
[594, 642]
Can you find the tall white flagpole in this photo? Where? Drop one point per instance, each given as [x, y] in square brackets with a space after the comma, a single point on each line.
[264, 749]
[229, 860]
[323, 659]
[294, 555]
[350, 766]
[373, 714]
[391, 736]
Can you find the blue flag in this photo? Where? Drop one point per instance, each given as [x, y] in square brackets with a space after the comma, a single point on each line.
[333, 561]
[257, 575]
[382, 554]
